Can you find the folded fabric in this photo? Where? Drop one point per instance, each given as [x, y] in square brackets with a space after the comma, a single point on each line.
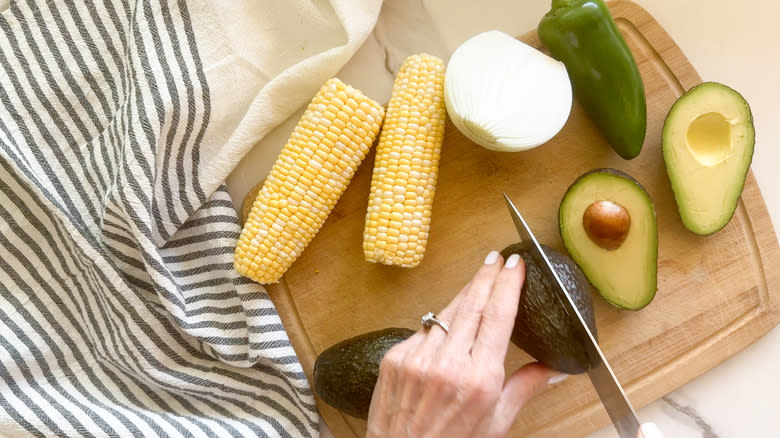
[120, 311]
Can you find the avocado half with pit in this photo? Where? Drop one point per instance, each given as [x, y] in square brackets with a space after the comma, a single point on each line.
[708, 141]
[608, 225]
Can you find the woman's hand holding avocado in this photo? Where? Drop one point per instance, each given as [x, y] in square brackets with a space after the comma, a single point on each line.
[452, 384]
[438, 384]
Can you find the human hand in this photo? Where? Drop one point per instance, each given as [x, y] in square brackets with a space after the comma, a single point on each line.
[438, 384]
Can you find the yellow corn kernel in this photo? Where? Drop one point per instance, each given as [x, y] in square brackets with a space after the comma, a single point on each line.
[310, 174]
[406, 165]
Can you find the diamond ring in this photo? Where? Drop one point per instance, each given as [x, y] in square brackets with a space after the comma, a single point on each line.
[429, 319]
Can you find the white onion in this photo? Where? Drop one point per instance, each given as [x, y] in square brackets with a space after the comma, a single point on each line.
[505, 95]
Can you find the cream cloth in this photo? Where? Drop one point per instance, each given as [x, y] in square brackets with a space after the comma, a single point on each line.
[267, 58]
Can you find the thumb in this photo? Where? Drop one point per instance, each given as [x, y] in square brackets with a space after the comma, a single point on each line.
[518, 389]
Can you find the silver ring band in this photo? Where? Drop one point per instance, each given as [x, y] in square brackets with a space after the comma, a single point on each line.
[429, 319]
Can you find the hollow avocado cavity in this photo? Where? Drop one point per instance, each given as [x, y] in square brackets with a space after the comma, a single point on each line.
[709, 139]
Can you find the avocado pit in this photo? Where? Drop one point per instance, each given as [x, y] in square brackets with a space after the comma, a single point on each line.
[607, 224]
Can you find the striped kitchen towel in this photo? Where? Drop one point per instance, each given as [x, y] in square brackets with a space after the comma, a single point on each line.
[120, 311]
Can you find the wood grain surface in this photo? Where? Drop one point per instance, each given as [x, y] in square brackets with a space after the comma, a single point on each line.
[716, 294]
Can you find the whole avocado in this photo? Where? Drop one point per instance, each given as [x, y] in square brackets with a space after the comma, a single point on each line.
[542, 326]
[345, 374]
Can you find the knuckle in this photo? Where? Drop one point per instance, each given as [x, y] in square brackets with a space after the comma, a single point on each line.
[496, 376]
[392, 359]
[442, 379]
[413, 368]
[494, 314]
[395, 355]
[485, 386]
[470, 304]
[441, 373]
[481, 395]
[445, 376]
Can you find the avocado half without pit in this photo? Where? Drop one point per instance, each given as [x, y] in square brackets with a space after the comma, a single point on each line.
[608, 225]
[708, 141]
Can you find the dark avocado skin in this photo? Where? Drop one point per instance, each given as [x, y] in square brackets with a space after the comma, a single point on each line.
[542, 326]
[345, 374]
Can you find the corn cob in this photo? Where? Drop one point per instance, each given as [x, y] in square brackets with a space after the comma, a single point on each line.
[407, 165]
[312, 171]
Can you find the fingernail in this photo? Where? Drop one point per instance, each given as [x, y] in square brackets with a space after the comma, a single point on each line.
[491, 257]
[555, 379]
[512, 261]
[650, 430]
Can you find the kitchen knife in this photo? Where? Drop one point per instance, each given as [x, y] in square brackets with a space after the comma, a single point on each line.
[601, 375]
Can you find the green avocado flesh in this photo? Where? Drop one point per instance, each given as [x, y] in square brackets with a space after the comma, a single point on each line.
[345, 374]
[625, 270]
[543, 329]
[708, 141]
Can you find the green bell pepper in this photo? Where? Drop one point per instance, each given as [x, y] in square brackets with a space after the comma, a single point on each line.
[605, 78]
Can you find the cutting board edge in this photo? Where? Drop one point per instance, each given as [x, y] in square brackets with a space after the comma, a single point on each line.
[766, 241]
[299, 339]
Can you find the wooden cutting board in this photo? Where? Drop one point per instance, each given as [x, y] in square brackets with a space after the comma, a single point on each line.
[716, 294]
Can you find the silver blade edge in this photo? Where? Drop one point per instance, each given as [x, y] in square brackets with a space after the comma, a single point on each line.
[602, 377]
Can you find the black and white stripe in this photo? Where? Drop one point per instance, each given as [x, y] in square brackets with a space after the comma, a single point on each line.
[120, 311]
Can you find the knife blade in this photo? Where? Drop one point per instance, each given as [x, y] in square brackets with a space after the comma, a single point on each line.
[601, 375]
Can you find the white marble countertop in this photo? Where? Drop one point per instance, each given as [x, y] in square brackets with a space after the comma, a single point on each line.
[736, 43]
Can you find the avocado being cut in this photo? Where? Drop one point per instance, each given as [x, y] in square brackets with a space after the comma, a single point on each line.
[607, 223]
[708, 141]
[543, 329]
[345, 374]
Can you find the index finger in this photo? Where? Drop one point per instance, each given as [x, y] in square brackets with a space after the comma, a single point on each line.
[498, 317]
